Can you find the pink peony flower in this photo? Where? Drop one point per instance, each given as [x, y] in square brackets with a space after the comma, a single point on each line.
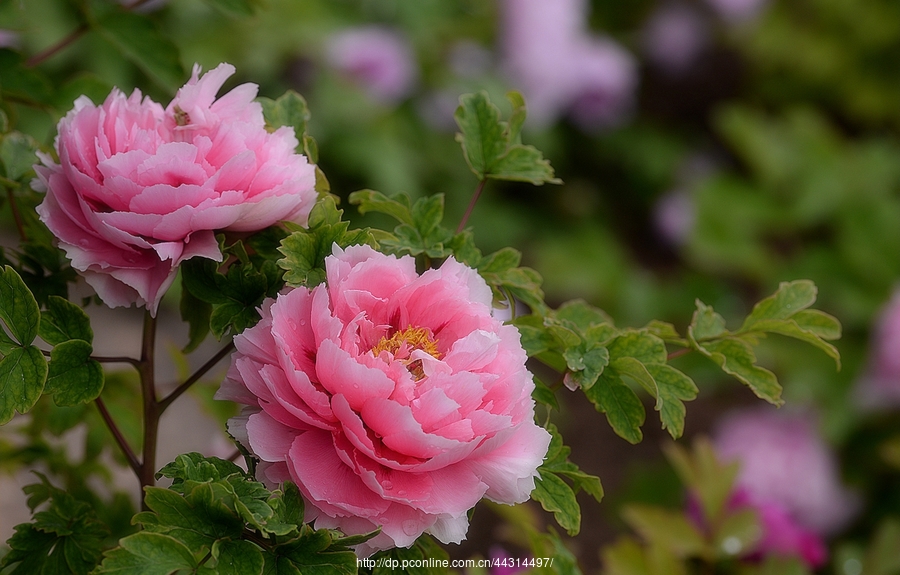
[560, 67]
[674, 37]
[380, 60]
[392, 399]
[139, 189]
[788, 474]
[738, 10]
[879, 386]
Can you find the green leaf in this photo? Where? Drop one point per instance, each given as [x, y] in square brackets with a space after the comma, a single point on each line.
[789, 328]
[73, 377]
[482, 133]
[305, 250]
[22, 82]
[737, 534]
[17, 155]
[621, 405]
[736, 358]
[66, 537]
[702, 473]
[197, 314]
[585, 362]
[790, 298]
[237, 558]
[819, 323]
[670, 529]
[372, 201]
[639, 344]
[706, 323]
[636, 370]
[523, 164]
[312, 554]
[139, 40]
[624, 557]
[491, 147]
[558, 498]
[18, 308]
[23, 373]
[63, 321]
[427, 213]
[147, 554]
[290, 109]
[198, 519]
[674, 388]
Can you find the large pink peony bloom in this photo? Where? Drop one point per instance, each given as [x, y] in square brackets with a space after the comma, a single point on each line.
[790, 476]
[138, 188]
[392, 399]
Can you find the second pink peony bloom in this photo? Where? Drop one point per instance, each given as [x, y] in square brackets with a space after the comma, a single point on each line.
[392, 399]
[138, 189]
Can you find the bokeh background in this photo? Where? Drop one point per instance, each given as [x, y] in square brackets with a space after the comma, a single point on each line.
[709, 149]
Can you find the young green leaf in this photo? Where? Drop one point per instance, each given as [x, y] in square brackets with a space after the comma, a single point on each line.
[621, 405]
[670, 529]
[557, 497]
[148, 553]
[290, 110]
[73, 377]
[63, 321]
[18, 308]
[23, 373]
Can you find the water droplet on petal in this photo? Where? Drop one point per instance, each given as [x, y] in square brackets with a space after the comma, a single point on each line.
[401, 493]
[387, 485]
[410, 527]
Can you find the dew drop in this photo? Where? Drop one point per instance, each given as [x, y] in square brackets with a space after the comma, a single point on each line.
[410, 527]
[302, 323]
[388, 485]
[84, 243]
[402, 493]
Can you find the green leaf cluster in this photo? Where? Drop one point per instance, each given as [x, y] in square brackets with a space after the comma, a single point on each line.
[213, 301]
[671, 539]
[581, 342]
[493, 148]
[66, 537]
[556, 495]
[305, 249]
[786, 312]
[420, 232]
[216, 520]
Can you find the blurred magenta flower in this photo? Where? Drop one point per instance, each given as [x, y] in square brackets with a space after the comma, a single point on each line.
[378, 59]
[673, 37]
[503, 563]
[138, 189]
[561, 68]
[393, 400]
[879, 385]
[790, 476]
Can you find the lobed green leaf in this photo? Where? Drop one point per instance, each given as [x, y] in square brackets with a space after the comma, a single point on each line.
[63, 321]
[73, 377]
[23, 373]
[18, 308]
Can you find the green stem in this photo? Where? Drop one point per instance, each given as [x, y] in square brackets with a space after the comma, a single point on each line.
[195, 377]
[151, 406]
[472, 202]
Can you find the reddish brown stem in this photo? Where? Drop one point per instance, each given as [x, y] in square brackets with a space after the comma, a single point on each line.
[151, 406]
[117, 435]
[195, 377]
[58, 47]
[471, 207]
[678, 353]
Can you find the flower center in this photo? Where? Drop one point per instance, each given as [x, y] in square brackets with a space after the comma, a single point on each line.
[402, 343]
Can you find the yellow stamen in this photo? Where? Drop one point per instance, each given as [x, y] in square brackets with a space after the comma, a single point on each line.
[403, 343]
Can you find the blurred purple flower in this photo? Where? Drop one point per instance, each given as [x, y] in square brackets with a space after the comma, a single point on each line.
[498, 553]
[674, 37]
[379, 59]
[790, 476]
[879, 386]
[674, 215]
[550, 56]
[737, 10]
[9, 39]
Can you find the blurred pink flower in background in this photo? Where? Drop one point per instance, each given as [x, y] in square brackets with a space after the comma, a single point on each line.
[139, 189]
[790, 476]
[879, 385]
[499, 556]
[550, 55]
[378, 59]
[737, 10]
[392, 399]
[673, 37]
[9, 39]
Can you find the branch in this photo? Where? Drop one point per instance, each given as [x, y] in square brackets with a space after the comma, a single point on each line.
[475, 196]
[59, 46]
[195, 377]
[117, 435]
[151, 407]
[678, 353]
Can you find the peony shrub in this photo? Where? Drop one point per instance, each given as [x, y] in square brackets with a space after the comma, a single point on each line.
[393, 400]
[140, 188]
